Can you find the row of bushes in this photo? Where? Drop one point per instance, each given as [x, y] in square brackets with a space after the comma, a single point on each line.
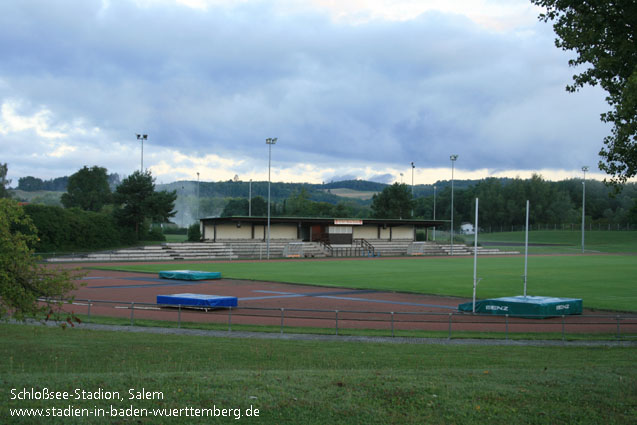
[62, 229]
[72, 229]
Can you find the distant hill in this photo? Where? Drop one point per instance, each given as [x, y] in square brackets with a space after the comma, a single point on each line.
[351, 193]
[357, 185]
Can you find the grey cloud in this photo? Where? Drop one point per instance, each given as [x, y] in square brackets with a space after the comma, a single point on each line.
[223, 80]
[383, 178]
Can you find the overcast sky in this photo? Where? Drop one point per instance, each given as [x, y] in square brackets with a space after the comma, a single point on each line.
[351, 89]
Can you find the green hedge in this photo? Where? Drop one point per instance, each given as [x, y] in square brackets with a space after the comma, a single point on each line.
[72, 229]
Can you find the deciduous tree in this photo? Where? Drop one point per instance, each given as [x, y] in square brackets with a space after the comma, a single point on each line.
[88, 189]
[604, 35]
[394, 201]
[23, 281]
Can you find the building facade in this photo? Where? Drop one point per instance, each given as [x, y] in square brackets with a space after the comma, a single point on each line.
[335, 231]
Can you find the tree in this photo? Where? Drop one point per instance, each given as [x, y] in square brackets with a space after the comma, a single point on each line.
[259, 206]
[23, 281]
[603, 34]
[394, 201]
[194, 233]
[138, 201]
[88, 189]
[30, 184]
[235, 207]
[4, 193]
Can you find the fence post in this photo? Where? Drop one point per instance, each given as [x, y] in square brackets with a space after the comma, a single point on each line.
[450, 314]
[179, 317]
[230, 319]
[506, 327]
[282, 314]
[392, 324]
[132, 312]
[89, 310]
[619, 335]
[336, 311]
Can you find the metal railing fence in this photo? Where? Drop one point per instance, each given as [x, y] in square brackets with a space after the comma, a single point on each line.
[621, 326]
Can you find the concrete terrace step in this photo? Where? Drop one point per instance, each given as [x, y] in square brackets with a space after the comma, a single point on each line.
[234, 249]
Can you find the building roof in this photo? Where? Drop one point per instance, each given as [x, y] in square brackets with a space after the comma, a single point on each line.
[326, 221]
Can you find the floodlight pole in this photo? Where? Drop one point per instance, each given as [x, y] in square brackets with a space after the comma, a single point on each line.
[434, 212]
[584, 169]
[198, 195]
[413, 166]
[269, 142]
[142, 137]
[475, 258]
[526, 246]
[250, 199]
[453, 160]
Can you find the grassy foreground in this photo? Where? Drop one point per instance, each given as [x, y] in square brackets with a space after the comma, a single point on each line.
[317, 382]
[602, 281]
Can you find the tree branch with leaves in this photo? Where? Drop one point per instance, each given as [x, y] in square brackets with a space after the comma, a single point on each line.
[603, 34]
[28, 289]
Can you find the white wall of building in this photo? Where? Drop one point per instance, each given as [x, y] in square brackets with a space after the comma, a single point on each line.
[366, 232]
[403, 232]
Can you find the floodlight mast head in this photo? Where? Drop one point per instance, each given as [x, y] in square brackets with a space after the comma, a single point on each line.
[453, 157]
[142, 137]
[271, 140]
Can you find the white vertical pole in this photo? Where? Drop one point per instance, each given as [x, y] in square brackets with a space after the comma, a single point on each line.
[584, 169]
[269, 166]
[526, 245]
[198, 203]
[452, 163]
[434, 212]
[475, 258]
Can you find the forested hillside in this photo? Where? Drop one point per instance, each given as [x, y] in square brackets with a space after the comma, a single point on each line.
[502, 200]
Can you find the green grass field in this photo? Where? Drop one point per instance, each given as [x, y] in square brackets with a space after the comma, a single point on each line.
[596, 241]
[602, 281]
[308, 382]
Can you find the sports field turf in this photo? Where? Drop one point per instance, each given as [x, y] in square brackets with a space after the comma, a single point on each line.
[309, 382]
[596, 241]
[603, 281]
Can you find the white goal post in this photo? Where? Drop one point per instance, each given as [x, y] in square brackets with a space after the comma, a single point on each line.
[293, 250]
[416, 248]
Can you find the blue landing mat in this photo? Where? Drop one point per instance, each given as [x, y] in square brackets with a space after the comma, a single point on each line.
[197, 300]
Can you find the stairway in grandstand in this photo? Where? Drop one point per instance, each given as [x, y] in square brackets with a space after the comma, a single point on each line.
[247, 249]
[223, 250]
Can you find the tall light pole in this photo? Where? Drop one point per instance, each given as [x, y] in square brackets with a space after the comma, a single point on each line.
[434, 212]
[412, 188]
[269, 142]
[250, 199]
[584, 169]
[453, 161]
[142, 137]
[198, 195]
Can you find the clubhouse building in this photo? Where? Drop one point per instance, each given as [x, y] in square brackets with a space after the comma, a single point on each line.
[334, 231]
